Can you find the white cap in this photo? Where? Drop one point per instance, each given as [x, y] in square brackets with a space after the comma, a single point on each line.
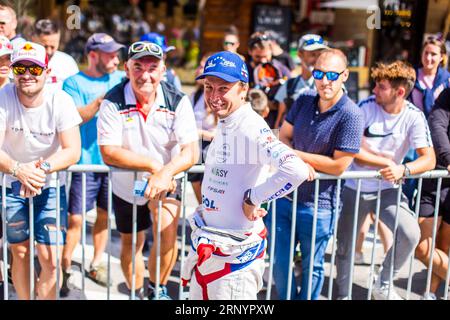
[30, 51]
[5, 46]
[311, 42]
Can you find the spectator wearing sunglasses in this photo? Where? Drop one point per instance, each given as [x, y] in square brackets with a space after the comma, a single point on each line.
[325, 129]
[39, 136]
[148, 125]
[309, 48]
[47, 33]
[392, 126]
[265, 73]
[88, 88]
[231, 40]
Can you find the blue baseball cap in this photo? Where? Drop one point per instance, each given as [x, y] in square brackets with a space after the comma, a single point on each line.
[158, 39]
[227, 66]
[102, 42]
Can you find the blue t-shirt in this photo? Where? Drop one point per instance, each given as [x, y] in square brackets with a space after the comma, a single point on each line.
[339, 128]
[84, 90]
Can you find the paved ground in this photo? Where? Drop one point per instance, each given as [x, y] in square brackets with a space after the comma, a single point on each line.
[118, 290]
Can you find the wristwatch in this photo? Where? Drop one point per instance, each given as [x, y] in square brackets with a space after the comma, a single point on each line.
[45, 166]
[407, 172]
[15, 169]
[247, 199]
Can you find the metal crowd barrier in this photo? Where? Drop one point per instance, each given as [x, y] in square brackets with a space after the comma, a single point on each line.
[360, 175]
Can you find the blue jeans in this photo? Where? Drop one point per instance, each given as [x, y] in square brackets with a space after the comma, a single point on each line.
[17, 216]
[303, 232]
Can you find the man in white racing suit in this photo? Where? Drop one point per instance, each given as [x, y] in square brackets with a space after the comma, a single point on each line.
[226, 260]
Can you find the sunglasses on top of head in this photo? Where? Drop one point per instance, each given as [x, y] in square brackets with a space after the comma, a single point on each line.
[141, 46]
[34, 70]
[257, 39]
[331, 75]
[312, 41]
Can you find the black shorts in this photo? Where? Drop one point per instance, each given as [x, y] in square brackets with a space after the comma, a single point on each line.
[195, 177]
[428, 199]
[123, 212]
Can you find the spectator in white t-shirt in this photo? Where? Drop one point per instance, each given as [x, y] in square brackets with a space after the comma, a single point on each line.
[61, 65]
[38, 137]
[393, 125]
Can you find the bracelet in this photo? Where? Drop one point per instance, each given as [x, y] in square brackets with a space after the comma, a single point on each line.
[15, 169]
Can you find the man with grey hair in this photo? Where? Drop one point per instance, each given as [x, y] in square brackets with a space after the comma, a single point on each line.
[146, 124]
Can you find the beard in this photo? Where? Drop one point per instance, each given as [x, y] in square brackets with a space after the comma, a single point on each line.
[103, 69]
[30, 91]
[386, 101]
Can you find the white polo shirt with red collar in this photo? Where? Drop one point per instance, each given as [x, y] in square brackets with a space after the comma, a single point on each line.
[158, 135]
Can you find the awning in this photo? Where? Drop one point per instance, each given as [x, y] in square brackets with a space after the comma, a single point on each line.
[349, 4]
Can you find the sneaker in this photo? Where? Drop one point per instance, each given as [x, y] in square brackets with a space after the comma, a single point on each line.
[343, 298]
[429, 296]
[380, 291]
[99, 274]
[139, 294]
[359, 258]
[64, 291]
[162, 293]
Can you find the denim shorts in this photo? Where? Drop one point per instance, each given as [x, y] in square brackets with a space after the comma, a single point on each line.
[44, 206]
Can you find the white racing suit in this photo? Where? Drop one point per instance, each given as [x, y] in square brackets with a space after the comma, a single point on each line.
[243, 146]
[235, 269]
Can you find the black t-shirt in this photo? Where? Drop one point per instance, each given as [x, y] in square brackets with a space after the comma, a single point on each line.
[439, 122]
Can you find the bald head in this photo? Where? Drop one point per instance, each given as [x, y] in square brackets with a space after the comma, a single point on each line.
[332, 62]
[334, 56]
